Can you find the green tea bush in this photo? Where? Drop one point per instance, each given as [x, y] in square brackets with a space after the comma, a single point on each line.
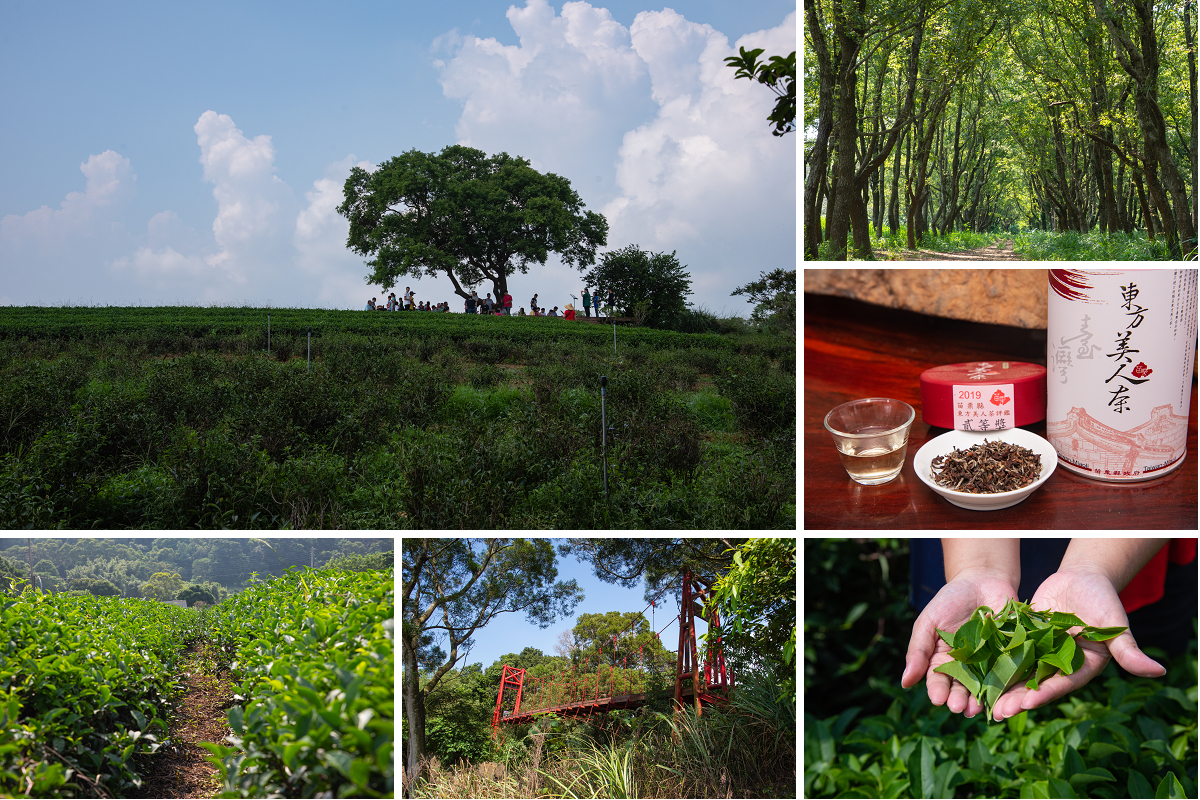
[1115, 737]
[313, 655]
[178, 418]
[764, 400]
[85, 685]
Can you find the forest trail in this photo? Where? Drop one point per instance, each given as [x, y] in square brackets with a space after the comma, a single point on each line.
[182, 769]
[1000, 251]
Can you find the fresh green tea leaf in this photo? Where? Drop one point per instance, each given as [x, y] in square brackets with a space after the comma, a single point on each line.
[956, 670]
[1170, 788]
[1102, 634]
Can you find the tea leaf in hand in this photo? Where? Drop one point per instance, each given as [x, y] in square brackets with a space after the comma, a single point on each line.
[1060, 620]
[1044, 671]
[993, 652]
[1101, 634]
[1018, 637]
[960, 673]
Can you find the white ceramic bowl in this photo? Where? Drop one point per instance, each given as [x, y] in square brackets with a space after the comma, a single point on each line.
[942, 445]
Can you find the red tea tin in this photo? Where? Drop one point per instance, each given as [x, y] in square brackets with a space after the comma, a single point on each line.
[983, 395]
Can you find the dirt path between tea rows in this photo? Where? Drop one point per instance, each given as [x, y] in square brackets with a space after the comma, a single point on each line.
[1001, 251]
[181, 768]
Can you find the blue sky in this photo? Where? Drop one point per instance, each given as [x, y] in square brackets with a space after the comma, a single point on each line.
[511, 633]
[193, 153]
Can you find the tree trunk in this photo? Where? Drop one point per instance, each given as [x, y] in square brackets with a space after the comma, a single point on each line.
[894, 201]
[819, 159]
[414, 708]
[846, 200]
[1141, 62]
[1190, 38]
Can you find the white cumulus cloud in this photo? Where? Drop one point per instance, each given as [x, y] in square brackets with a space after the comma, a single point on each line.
[558, 98]
[110, 182]
[320, 238]
[254, 206]
[650, 126]
[705, 176]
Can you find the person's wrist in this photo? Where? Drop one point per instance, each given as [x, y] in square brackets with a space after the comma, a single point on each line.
[1087, 568]
[986, 572]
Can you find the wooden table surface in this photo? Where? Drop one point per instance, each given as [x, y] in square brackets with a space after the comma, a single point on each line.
[854, 350]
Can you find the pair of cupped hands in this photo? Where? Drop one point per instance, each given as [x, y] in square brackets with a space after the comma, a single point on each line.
[1090, 595]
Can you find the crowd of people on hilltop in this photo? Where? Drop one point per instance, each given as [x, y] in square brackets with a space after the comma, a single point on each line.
[500, 307]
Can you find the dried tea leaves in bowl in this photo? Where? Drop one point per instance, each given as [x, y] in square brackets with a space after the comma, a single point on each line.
[987, 468]
[994, 652]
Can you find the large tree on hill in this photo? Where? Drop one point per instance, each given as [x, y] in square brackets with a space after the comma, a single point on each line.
[453, 587]
[467, 215]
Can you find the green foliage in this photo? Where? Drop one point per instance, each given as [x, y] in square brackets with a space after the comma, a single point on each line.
[993, 652]
[779, 75]
[194, 593]
[774, 298]
[315, 662]
[655, 281]
[614, 639]
[764, 401]
[756, 599]
[857, 621]
[1038, 245]
[163, 586]
[400, 422]
[467, 215]
[85, 685]
[362, 563]
[1114, 737]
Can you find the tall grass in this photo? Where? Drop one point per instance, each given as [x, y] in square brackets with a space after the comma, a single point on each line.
[893, 244]
[1092, 246]
[746, 748]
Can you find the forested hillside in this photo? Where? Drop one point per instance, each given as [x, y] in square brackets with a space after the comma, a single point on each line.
[932, 117]
[127, 566]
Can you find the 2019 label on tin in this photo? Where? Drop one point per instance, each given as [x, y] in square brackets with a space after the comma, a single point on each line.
[984, 408]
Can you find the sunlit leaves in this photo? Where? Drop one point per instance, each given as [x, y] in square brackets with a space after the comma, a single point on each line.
[89, 678]
[319, 675]
[994, 652]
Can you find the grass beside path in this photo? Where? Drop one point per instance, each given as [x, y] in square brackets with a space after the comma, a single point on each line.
[1092, 246]
[181, 768]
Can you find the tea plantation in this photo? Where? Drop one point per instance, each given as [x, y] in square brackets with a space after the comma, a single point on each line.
[90, 688]
[181, 417]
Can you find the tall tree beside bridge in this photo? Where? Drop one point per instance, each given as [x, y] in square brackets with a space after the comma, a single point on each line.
[453, 587]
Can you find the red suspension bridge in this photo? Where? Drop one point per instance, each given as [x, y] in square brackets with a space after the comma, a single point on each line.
[583, 692]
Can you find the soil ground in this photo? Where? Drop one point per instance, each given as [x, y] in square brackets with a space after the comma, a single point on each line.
[1001, 251]
[181, 768]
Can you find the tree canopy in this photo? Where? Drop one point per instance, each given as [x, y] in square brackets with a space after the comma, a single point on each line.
[774, 298]
[650, 286]
[960, 115]
[453, 587]
[466, 215]
[659, 562]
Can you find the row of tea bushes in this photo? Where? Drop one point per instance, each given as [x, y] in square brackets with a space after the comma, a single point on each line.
[1113, 738]
[84, 687]
[314, 656]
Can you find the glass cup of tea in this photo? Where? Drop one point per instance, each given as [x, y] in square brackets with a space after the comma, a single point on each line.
[871, 436]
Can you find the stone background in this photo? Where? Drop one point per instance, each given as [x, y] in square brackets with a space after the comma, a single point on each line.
[1014, 297]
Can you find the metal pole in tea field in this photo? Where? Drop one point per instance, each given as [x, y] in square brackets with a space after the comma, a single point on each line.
[309, 367]
[614, 338]
[604, 431]
[268, 333]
